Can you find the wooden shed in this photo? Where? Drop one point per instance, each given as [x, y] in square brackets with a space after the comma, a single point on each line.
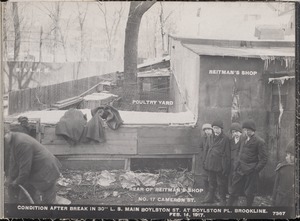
[154, 85]
[237, 80]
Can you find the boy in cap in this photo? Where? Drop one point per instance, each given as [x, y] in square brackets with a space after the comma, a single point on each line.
[235, 144]
[205, 143]
[283, 192]
[251, 160]
[217, 163]
[30, 165]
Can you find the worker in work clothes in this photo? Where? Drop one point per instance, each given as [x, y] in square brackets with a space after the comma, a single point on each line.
[32, 166]
[205, 143]
[283, 192]
[252, 159]
[235, 144]
[217, 163]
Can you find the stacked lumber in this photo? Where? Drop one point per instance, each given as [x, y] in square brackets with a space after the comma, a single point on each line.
[67, 102]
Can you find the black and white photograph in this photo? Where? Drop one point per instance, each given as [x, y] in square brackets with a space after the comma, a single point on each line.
[149, 109]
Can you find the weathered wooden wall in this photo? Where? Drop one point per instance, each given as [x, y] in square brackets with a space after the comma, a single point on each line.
[125, 144]
[185, 66]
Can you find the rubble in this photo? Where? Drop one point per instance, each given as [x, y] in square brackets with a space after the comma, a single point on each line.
[117, 180]
[119, 186]
[128, 180]
[106, 178]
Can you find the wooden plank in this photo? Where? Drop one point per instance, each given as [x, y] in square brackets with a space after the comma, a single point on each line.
[12, 102]
[164, 140]
[19, 106]
[119, 143]
[95, 165]
[66, 90]
[193, 163]
[164, 132]
[51, 94]
[61, 141]
[166, 156]
[127, 164]
[27, 101]
[58, 93]
[32, 100]
[22, 100]
[166, 149]
[102, 148]
[123, 133]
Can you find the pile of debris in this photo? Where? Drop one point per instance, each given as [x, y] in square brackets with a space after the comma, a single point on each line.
[115, 183]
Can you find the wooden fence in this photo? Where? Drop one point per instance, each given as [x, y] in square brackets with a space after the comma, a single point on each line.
[42, 97]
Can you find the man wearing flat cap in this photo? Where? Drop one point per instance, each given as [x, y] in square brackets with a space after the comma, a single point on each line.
[205, 143]
[235, 144]
[31, 165]
[251, 160]
[217, 163]
[283, 191]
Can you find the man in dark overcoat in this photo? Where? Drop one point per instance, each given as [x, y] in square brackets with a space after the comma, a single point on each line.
[251, 160]
[205, 142]
[32, 166]
[235, 144]
[284, 186]
[217, 163]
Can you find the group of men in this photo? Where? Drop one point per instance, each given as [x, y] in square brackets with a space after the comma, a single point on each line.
[231, 164]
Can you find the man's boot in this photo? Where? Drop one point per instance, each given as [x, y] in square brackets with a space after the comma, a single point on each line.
[232, 200]
[249, 200]
[210, 198]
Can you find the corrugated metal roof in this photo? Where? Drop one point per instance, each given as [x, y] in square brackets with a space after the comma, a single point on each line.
[241, 52]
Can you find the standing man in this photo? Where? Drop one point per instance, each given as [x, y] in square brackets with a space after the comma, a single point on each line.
[283, 191]
[205, 143]
[217, 163]
[252, 159]
[32, 166]
[235, 144]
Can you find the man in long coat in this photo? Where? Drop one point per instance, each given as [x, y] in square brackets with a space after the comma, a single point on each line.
[32, 166]
[283, 192]
[251, 160]
[235, 144]
[217, 163]
[205, 143]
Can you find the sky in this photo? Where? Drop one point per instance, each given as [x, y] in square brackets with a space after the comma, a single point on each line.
[213, 20]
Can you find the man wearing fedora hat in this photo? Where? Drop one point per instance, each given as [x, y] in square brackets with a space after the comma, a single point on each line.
[217, 163]
[251, 160]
